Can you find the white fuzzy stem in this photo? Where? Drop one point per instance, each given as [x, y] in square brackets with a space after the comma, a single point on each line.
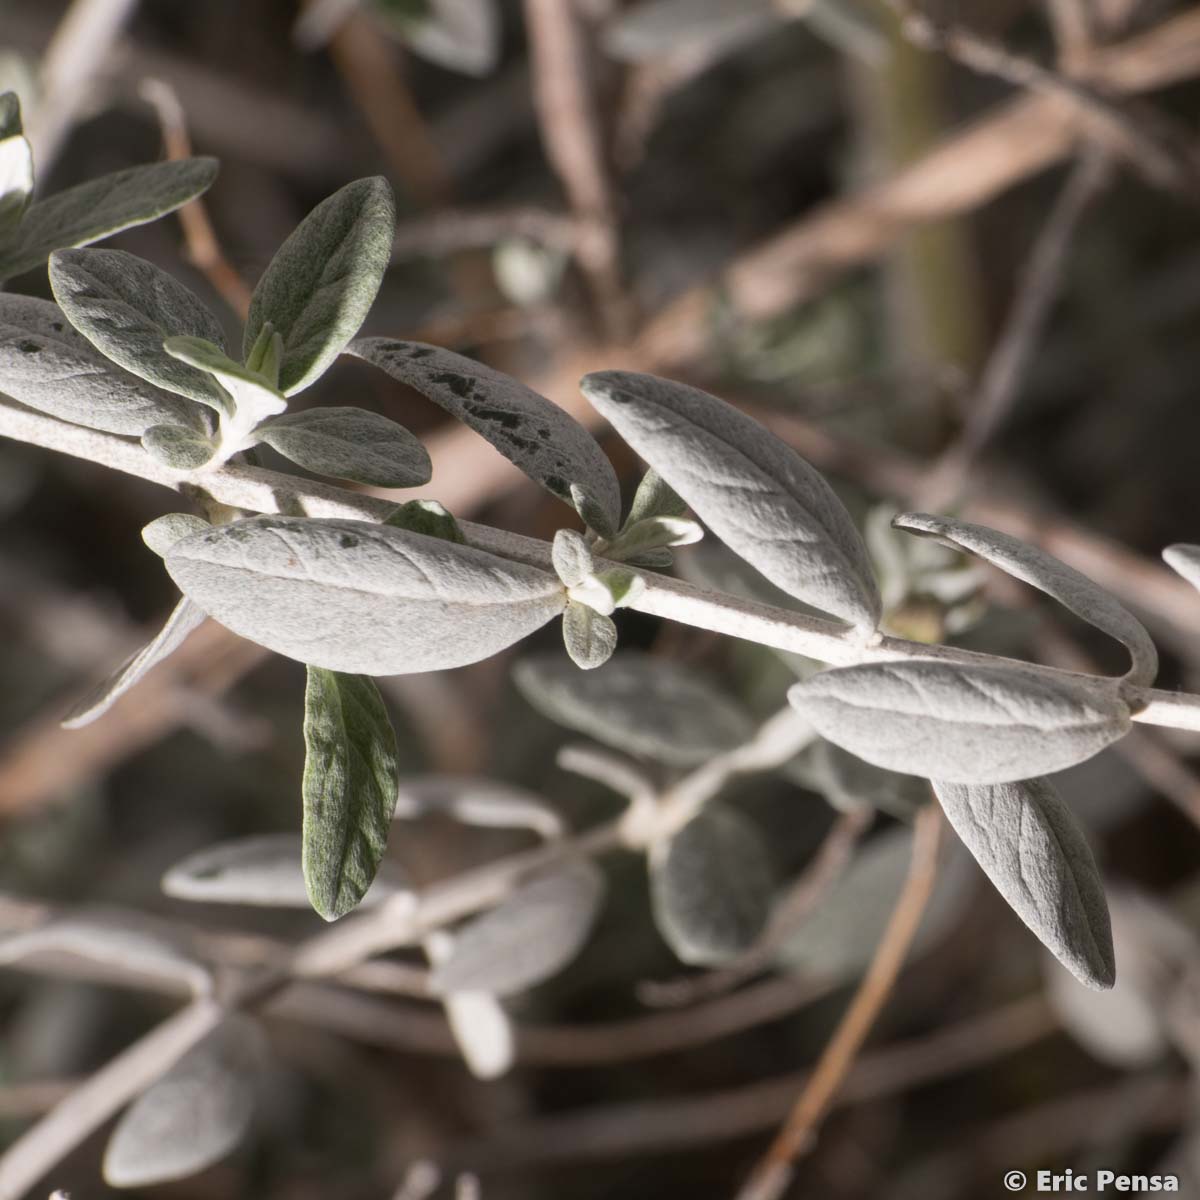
[821, 638]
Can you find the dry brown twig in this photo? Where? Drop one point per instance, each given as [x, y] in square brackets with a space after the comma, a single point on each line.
[774, 1174]
[203, 249]
[1000, 381]
[574, 144]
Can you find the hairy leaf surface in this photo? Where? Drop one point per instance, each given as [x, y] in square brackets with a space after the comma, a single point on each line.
[1031, 847]
[963, 723]
[358, 597]
[755, 493]
[322, 282]
[47, 365]
[1075, 591]
[590, 637]
[350, 781]
[127, 307]
[551, 447]
[350, 443]
[94, 210]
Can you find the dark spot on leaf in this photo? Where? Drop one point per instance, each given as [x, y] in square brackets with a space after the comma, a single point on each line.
[543, 431]
[29, 348]
[347, 541]
[461, 385]
[557, 485]
[506, 420]
[421, 352]
[57, 326]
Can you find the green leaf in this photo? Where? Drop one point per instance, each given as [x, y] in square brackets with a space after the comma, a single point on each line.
[1032, 848]
[427, 517]
[654, 498]
[351, 779]
[163, 532]
[179, 448]
[91, 211]
[45, 364]
[653, 533]
[537, 436]
[183, 619]
[363, 597]
[572, 557]
[750, 488]
[127, 307]
[589, 636]
[638, 704]
[254, 399]
[321, 284]
[350, 443]
[711, 886]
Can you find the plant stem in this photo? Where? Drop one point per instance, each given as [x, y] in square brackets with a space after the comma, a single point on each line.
[258, 490]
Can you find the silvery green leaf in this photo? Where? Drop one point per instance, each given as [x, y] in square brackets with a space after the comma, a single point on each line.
[653, 533]
[163, 532]
[178, 447]
[427, 517]
[362, 597]
[652, 560]
[848, 782]
[654, 498]
[1031, 847]
[837, 940]
[960, 722]
[660, 27]
[481, 1028]
[322, 282]
[1184, 560]
[106, 949]
[265, 357]
[127, 307]
[46, 365]
[265, 871]
[551, 447]
[711, 886]
[572, 557]
[751, 489]
[1076, 592]
[478, 801]
[350, 443]
[527, 938]
[589, 636]
[460, 35]
[625, 587]
[350, 781]
[16, 180]
[184, 618]
[94, 210]
[195, 1115]
[636, 703]
[254, 397]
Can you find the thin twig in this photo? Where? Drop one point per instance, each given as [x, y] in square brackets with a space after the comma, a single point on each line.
[772, 1177]
[257, 490]
[970, 167]
[203, 247]
[1039, 287]
[1116, 128]
[574, 144]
